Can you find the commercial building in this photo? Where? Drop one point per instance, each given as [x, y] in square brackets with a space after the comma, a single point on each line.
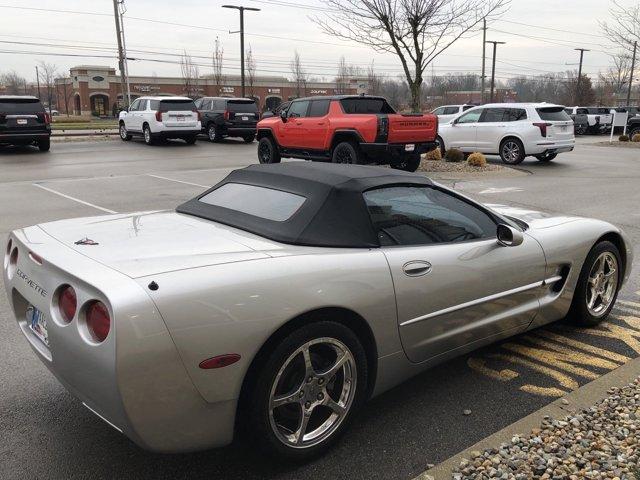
[92, 89]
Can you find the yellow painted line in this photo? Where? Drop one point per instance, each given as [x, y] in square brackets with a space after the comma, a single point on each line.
[616, 357]
[480, 366]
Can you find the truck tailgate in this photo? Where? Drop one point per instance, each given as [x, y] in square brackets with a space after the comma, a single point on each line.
[412, 128]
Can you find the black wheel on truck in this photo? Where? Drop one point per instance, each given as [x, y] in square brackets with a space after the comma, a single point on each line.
[346, 152]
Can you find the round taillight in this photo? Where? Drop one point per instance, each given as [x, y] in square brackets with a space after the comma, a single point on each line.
[67, 303]
[98, 320]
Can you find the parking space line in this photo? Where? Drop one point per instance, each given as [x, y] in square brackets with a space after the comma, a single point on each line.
[73, 198]
[178, 181]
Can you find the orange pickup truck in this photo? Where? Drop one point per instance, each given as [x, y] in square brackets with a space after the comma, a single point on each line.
[347, 129]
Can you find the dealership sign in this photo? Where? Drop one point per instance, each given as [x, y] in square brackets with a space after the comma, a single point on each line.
[226, 89]
[145, 88]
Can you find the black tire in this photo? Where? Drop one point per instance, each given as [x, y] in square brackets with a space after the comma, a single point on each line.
[191, 140]
[579, 312]
[633, 132]
[268, 151]
[44, 145]
[581, 129]
[410, 163]
[512, 151]
[346, 152]
[258, 421]
[546, 157]
[146, 134]
[249, 138]
[124, 135]
[213, 133]
[440, 143]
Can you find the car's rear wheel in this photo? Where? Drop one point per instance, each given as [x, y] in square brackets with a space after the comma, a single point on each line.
[308, 390]
[249, 138]
[409, 163]
[581, 129]
[546, 157]
[346, 152]
[512, 151]
[124, 135]
[148, 138]
[44, 145]
[633, 132]
[598, 285]
[440, 144]
[268, 151]
[214, 133]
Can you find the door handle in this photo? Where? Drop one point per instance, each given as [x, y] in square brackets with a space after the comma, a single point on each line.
[320, 123]
[417, 268]
[298, 123]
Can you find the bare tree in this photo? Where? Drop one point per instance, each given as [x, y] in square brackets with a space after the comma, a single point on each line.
[251, 71]
[416, 31]
[13, 82]
[190, 75]
[47, 73]
[625, 26]
[217, 60]
[617, 76]
[64, 90]
[299, 75]
[342, 79]
[374, 81]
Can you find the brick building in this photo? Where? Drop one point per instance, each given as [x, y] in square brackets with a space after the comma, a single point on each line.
[93, 89]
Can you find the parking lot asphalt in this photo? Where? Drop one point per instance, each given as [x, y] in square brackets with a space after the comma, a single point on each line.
[46, 433]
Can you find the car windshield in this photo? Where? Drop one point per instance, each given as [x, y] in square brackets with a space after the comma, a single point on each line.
[242, 106]
[180, 105]
[262, 202]
[553, 114]
[20, 105]
[366, 105]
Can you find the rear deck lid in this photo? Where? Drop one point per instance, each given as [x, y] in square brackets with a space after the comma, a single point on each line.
[148, 243]
[560, 125]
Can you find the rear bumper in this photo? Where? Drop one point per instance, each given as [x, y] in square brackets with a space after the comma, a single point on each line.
[176, 133]
[384, 153]
[17, 137]
[552, 147]
[135, 380]
[239, 131]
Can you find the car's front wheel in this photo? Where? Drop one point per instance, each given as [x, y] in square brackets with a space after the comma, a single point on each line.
[268, 151]
[598, 284]
[512, 151]
[124, 135]
[308, 390]
[546, 157]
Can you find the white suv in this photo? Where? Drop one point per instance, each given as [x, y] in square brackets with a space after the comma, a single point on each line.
[161, 118]
[511, 130]
[448, 112]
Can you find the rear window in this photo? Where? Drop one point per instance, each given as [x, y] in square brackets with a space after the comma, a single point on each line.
[26, 105]
[242, 107]
[366, 105]
[180, 105]
[551, 114]
[260, 202]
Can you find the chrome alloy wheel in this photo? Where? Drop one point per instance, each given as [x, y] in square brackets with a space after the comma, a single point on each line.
[511, 151]
[123, 132]
[602, 284]
[212, 133]
[312, 393]
[147, 135]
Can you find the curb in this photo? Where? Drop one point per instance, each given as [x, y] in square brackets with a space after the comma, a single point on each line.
[81, 134]
[582, 398]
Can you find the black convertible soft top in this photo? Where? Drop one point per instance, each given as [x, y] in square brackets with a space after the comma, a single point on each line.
[333, 214]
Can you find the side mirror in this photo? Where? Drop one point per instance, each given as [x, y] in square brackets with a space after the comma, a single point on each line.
[509, 236]
[283, 115]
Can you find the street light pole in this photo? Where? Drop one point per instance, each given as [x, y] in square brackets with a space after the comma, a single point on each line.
[581, 50]
[241, 10]
[493, 65]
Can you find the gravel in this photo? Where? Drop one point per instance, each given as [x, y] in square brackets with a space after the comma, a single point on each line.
[602, 442]
[442, 166]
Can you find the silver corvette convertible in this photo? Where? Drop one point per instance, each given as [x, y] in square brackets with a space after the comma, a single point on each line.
[279, 300]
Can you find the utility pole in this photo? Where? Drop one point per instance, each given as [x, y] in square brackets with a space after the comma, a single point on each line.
[633, 66]
[123, 83]
[38, 80]
[484, 56]
[241, 9]
[581, 50]
[493, 66]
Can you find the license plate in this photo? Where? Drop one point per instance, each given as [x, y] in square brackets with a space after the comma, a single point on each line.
[244, 119]
[409, 148]
[22, 121]
[563, 128]
[180, 119]
[37, 322]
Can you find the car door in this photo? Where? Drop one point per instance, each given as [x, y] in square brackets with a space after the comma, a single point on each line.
[315, 125]
[130, 119]
[454, 284]
[291, 131]
[461, 133]
[490, 130]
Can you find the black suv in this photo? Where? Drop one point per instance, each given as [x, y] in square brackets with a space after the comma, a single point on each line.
[228, 117]
[23, 121]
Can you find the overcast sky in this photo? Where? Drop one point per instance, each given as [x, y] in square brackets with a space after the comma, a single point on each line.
[568, 23]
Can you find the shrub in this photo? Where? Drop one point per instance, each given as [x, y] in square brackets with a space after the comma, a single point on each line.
[623, 138]
[433, 155]
[476, 159]
[454, 155]
[636, 137]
